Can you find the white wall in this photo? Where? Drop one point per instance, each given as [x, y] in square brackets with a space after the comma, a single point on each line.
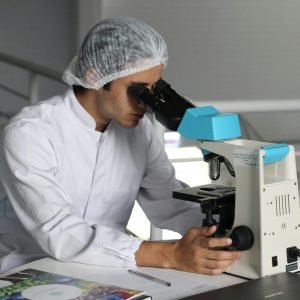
[89, 13]
[225, 49]
[40, 31]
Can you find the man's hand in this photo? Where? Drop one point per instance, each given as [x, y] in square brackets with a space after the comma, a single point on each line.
[195, 253]
[192, 253]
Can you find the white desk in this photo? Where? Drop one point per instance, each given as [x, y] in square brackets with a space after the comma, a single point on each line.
[183, 284]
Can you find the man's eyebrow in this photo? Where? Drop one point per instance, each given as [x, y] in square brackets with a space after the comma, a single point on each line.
[139, 82]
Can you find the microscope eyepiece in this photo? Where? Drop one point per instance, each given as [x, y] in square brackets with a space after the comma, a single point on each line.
[143, 95]
[168, 106]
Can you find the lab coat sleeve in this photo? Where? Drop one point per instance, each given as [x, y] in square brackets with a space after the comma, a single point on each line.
[155, 195]
[45, 211]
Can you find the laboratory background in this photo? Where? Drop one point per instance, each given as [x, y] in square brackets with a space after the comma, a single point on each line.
[238, 55]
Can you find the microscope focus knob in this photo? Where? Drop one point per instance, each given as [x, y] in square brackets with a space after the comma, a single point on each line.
[242, 238]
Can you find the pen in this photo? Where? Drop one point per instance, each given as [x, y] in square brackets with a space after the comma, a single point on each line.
[149, 277]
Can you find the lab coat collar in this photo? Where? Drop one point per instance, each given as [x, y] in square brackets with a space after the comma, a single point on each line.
[85, 118]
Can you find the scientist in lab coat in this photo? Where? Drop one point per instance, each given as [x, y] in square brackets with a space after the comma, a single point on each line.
[72, 167]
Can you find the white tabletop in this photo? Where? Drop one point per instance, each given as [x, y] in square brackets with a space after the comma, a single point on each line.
[182, 283]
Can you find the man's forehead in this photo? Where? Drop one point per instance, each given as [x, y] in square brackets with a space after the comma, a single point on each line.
[146, 77]
[153, 72]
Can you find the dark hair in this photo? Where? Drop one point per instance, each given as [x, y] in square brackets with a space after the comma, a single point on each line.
[80, 89]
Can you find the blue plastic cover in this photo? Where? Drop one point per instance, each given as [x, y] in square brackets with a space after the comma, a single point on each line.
[207, 123]
[275, 152]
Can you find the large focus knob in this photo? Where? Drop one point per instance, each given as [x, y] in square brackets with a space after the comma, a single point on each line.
[242, 238]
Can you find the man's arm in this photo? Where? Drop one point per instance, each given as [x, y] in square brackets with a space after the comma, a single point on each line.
[193, 253]
[157, 185]
[28, 167]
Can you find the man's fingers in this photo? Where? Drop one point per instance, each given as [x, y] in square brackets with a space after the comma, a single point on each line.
[208, 271]
[216, 271]
[209, 231]
[222, 255]
[203, 231]
[199, 252]
[218, 264]
[196, 233]
[214, 242]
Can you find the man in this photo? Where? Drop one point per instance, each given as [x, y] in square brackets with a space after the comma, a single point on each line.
[72, 166]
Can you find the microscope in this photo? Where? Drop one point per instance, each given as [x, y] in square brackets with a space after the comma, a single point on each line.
[260, 210]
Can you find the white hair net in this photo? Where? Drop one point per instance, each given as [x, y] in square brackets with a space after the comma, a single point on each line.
[115, 48]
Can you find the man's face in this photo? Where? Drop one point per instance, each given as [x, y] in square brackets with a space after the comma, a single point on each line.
[116, 104]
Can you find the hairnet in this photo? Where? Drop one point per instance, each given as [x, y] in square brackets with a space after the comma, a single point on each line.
[115, 48]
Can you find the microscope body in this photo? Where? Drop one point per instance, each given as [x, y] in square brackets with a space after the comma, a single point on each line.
[267, 202]
[260, 209]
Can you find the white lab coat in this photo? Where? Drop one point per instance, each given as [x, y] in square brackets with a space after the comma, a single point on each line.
[71, 189]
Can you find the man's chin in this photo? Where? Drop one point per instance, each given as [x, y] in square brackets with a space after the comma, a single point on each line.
[129, 124]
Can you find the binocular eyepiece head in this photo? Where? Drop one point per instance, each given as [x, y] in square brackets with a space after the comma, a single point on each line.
[168, 106]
